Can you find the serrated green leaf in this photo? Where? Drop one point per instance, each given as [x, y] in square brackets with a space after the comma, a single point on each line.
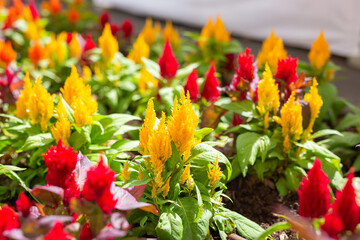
[36, 141]
[169, 226]
[274, 228]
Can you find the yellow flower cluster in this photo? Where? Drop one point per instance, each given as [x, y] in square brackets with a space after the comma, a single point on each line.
[125, 173]
[61, 129]
[216, 31]
[315, 102]
[269, 98]
[149, 32]
[74, 46]
[170, 33]
[108, 44]
[214, 173]
[156, 139]
[271, 52]
[147, 81]
[187, 177]
[36, 103]
[57, 49]
[140, 49]
[320, 52]
[290, 121]
[78, 96]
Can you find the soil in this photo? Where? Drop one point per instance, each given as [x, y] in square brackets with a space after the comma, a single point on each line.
[257, 201]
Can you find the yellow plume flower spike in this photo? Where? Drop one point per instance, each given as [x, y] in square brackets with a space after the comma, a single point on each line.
[166, 188]
[108, 44]
[73, 87]
[147, 127]
[185, 174]
[87, 74]
[84, 109]
[141, 176]
[271, 52]
[125, 173]
[320, 52]
[220, 33]
[74, 47]
[140, 49]
[315, 102]
[214, 173]
[190, 184]
[61, 129]
[206, 33]
[268, 93]
[157, 28]
[170, 33]
[291, 121]
[146, 81]
[41, 105]
[182, 125]
[22, 104]
[148, 32]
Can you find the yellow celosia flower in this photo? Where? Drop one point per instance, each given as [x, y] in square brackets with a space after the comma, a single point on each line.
[170, 33]
[268, 95]
[185, 174]
[146, 81]
[22, 104]
[148, 32]
[125, 173]
[140, 49]
[87, 74]
[35, 30]
[74, 47]
[315, 103]
[182, 125]
[165, 189]
[84, 109]
[157, 28]
[108, 44]
[320, 52]
[57, 50]
[214, 173]
[217, 31]
[61, 129]
[271, 52]
[147, 127]
[41, 105]
[290, 121]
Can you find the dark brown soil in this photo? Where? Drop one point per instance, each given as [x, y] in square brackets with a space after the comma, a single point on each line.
[257, 200]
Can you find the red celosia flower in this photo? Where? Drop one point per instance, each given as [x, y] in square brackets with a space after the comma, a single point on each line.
[19, 6]
[245, 70]
[58, 233]
[89, 44]
[127, 28]
[34, 12]
[9, 220]
[314, 193]
[23, 205]
[85, 233]
[230, 57]
[7, 53]
[73, 15]
[104, 18]
[11, 18]
[211, 92]
[61, 162]
[333, 225]
[97, 187]
[192, 86]
[236, 119]
[286, 70]
[167, 62]
[55, 6]
[345, 205]
[114, 29]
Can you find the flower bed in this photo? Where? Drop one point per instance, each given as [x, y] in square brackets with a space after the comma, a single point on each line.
[105, 135]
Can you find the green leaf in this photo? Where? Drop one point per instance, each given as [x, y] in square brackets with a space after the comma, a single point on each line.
[245, 108]
[184, 72]
[69, 111]
[36, 141]
[325, 132]
[133, 182]
[169, 226]
[274, 228]
[282, 187]
[248, 145]
[8, 168]
[15, 119]
[328, 93]
[350, 120]
[317, 150]
[200, 134]
[152, 67]
[202, 154]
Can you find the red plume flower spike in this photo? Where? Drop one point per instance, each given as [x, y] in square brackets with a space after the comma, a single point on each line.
[23, 205]
[9, 220]
[211, 92]
[98, 185]
[104, 18]
[89, 44]
[236, 119]
[333, 225]
[127, 28]
[245, 70]
[286, 70]
[314, 193]
[191, 86]
[85, 233]
[167, 62]
[58, 233]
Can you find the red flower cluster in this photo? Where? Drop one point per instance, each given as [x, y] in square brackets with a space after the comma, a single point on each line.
[104, 18]
[23, 205]
[126, 27]
[98, 185]
[286, 75]
[314, 193]
[61, 163]
[167, 62]
[58, 233]
[89, 43]
[211, 92]
[191, 85]
[9, 220]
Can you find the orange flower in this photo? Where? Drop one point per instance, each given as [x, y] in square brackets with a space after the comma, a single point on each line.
[7, 53]
[73, 15]
[36, 53]
[55, 6]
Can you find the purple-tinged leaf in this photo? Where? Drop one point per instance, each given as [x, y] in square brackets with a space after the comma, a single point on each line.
[137, 191]
[82, 166]
[118, 221]
[16, 234]
[110, 232]
[126, 202]
[34, 212]
[49, 221]
[73, 227]
[50, 195]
